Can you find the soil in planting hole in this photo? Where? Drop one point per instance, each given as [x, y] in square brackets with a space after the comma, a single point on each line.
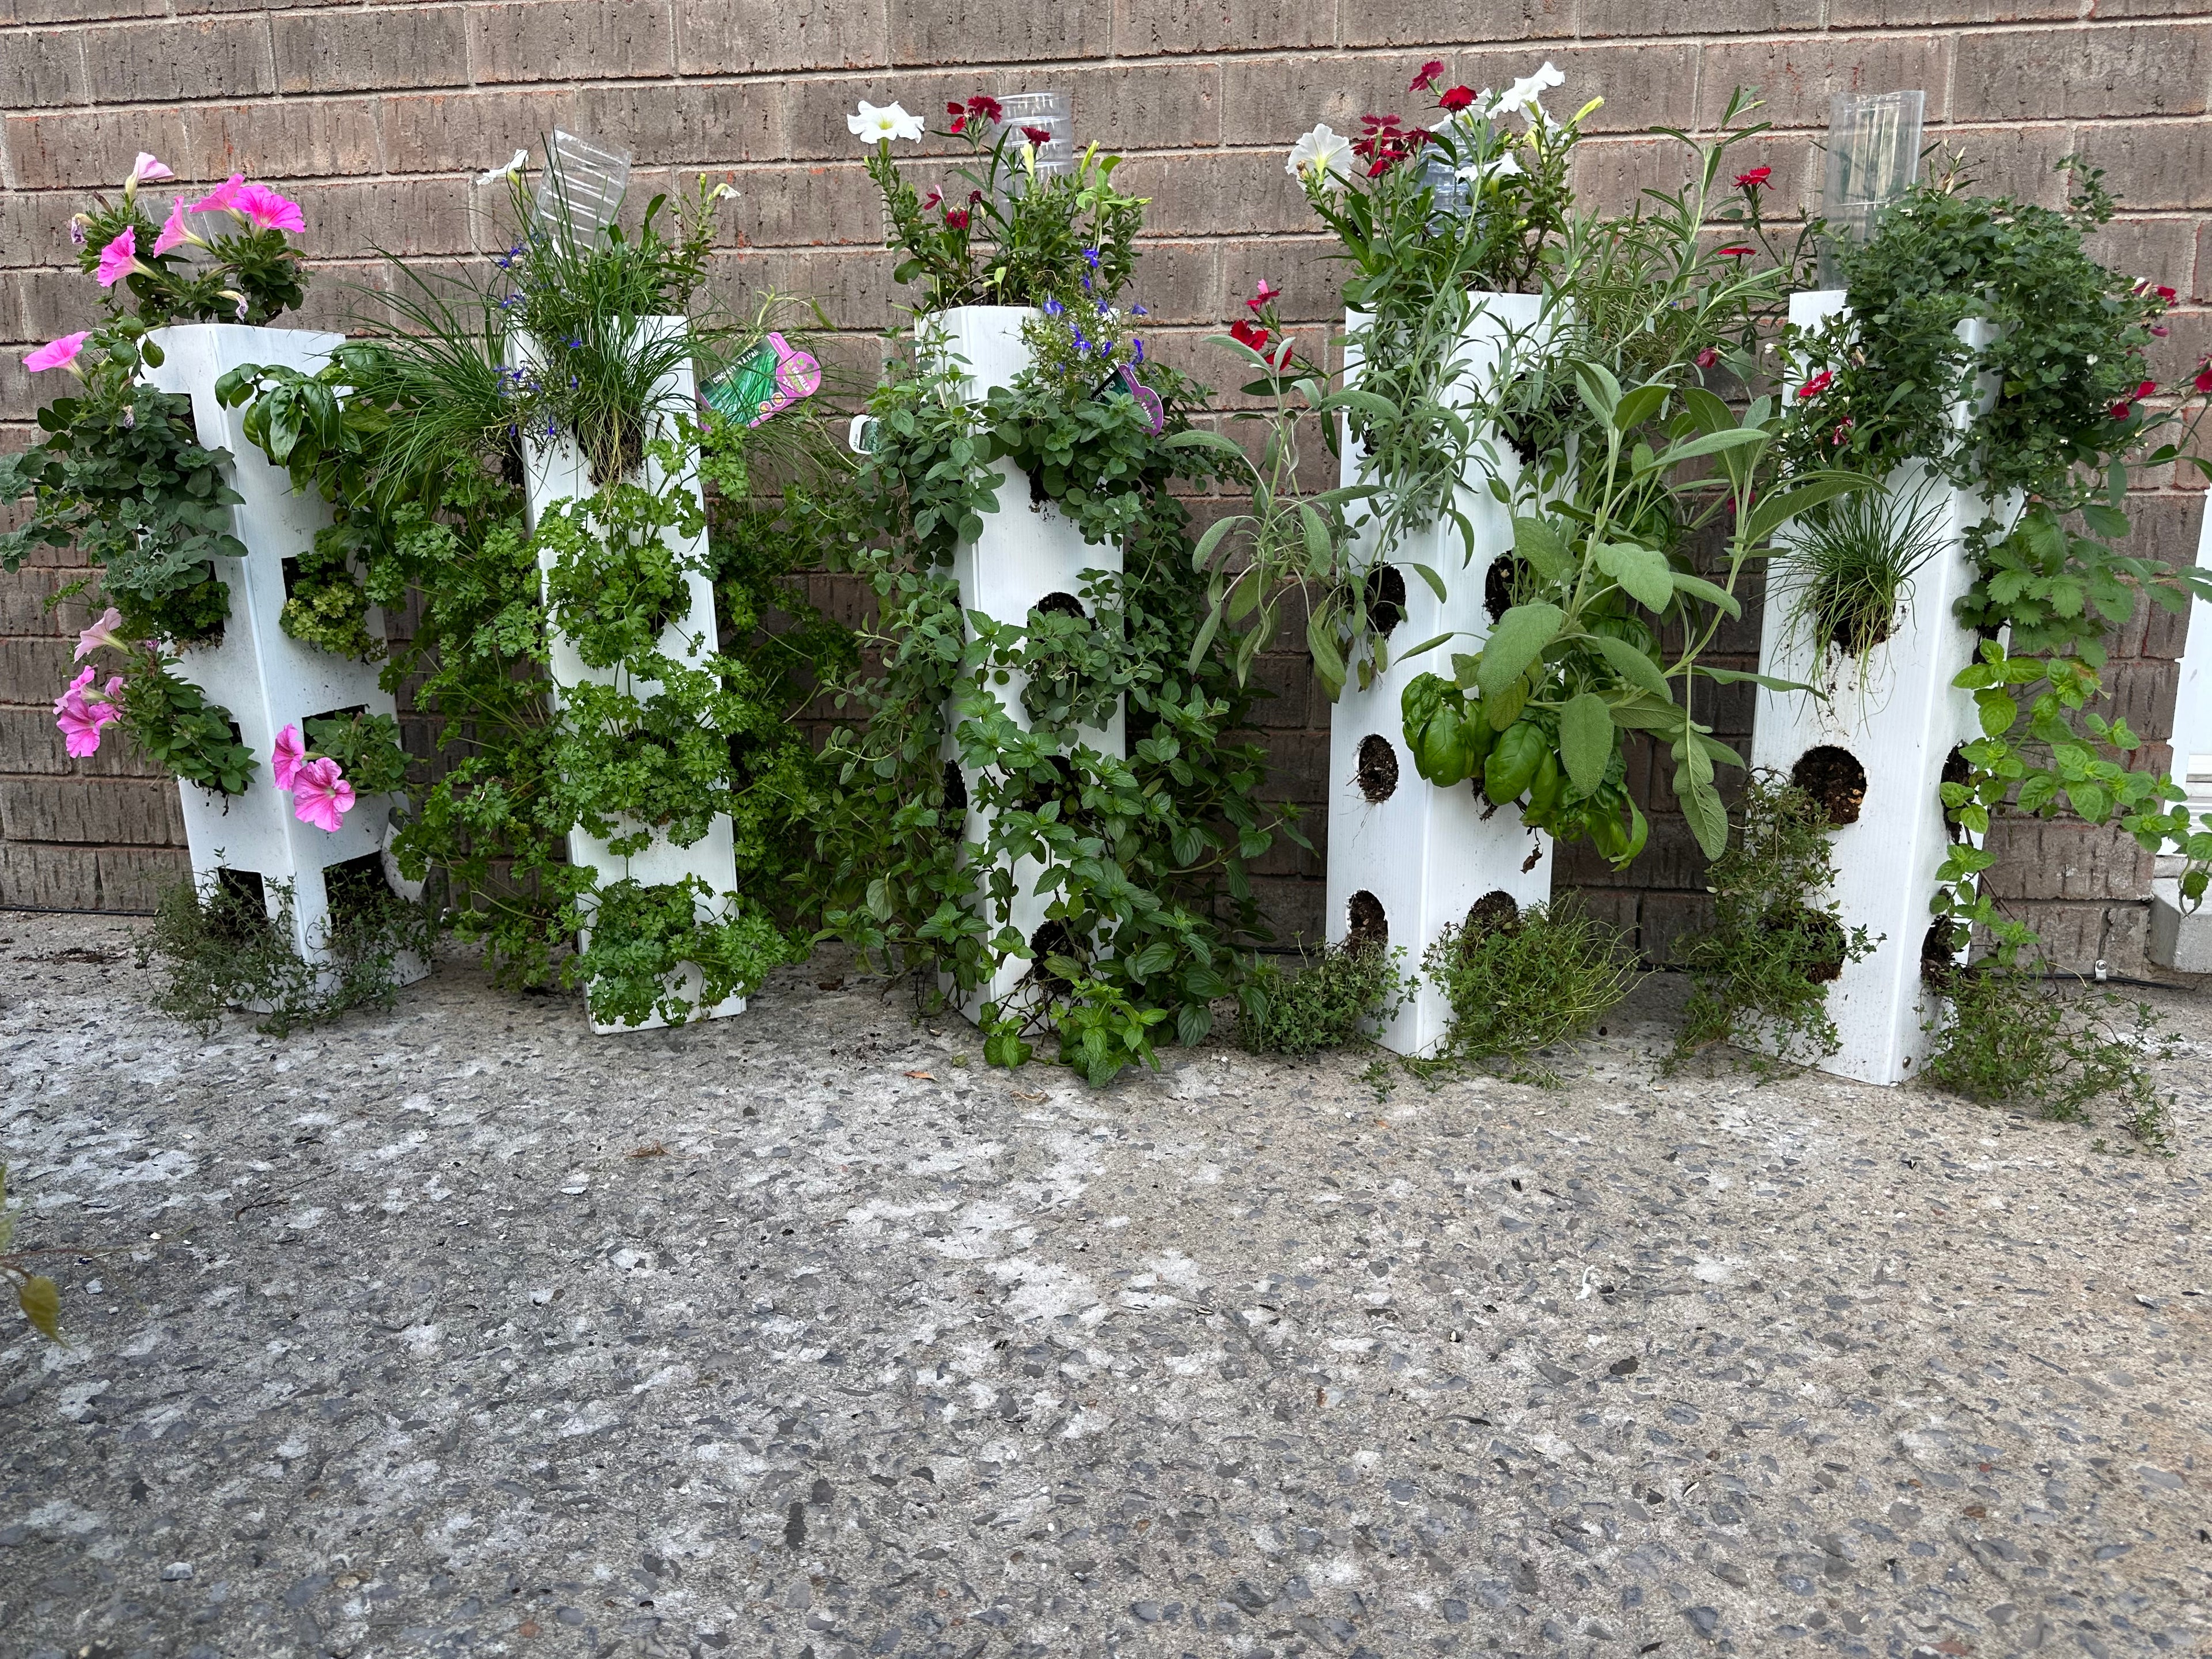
[1497, 586]
[1061, 605]
[1938, 968]
[1495, 912]
[1370, 928]
[1378, 768]
[1051, 938]
[1386, 597]
[1955, 770]
[1835, 781]
[955, 800]
[239, 905]
[1853, 633]
[356, 889]
[1067, 791]
[1826, 935]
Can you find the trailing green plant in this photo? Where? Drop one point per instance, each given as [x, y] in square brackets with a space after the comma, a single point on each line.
[2008, 1037]
[1002, 234]
[2044, 415]
[177, 726]
[638, 939]
[122, 476]
[416, 438]
[1847, 569]
[1336, 998]
[1760, 974]
[223, 948]
[1519, 980]
[1429, 219]
[1145, 861]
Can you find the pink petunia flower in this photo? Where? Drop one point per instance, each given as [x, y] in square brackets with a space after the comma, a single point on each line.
[57, 353]
[80, 714]
[173, 233]
[147, 169]
[106, 631]
[265, 209]
[223, 199]
[287, 757]
[320, 795]
[118, 259]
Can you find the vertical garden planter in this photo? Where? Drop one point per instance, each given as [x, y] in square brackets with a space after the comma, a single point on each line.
[557, 472]
[1028, 552]
[1873, 751]
[267, 679]
[1406, 859]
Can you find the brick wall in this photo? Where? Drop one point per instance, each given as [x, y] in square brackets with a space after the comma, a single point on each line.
[377, 117]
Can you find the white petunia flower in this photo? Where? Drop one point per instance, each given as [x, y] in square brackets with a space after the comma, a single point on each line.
[510, 170]
[1500, 167]
[1520, 97]
[1321, 154]
[871, 125]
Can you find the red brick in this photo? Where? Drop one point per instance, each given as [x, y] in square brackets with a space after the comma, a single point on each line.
[362, 50]
[294, 138]
[746, 37]
[1151, 28]
[2086, 72]
[998, 31]
[87, 149]
[566, 39]
[126, 880]
[1658, 19]
[103, 811]
[43, 68]
[196, 57]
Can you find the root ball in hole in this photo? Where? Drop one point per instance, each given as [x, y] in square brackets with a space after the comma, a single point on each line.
[955, 796]
[1497, 586]
[1495, 912]
[1377, 771]
[1052, 938]
[1386, 597]
[1061, 605]
[1835, 781]
[1369, 927]
[1824, 938]
[1938, 968]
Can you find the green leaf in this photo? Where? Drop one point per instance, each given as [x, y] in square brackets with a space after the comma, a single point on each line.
[1320, 557]
[1634, 665]
[1638, 406]
[1698, 587]
[1206, 543]
[1586, 740]
[1328, 665]
[1644, 571]
[1713, 443]
[1546, 551]
[41, 1304]
[1520, 637]
[1701, 804]
[1770, 515]
[1738, 676]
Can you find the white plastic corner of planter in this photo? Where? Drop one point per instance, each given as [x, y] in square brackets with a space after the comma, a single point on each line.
[1028, 550]
[267, 679]
[555, 472]
[1426, 856]
[1900, 721]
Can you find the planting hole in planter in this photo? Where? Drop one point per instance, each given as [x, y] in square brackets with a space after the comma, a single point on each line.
[352, 711]
[1955, 770]
[1036, 794]
[1060, 604]
[1938, 966]
[1386, 597]
[1497, 586]
[240, 900]
[356, 889]
[1835, 781]
[1495, 912]
[1051, 938]
[1826, 934]
[1377, 771]
[1370, 928]
[955, 800]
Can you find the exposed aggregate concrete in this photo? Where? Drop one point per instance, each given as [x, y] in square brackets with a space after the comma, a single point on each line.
[456, 1330]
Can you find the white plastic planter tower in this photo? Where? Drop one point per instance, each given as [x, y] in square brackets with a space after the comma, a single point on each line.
[1889, 732]
[557, 472]
[1406, 859]
[1028, 552]
[267, 679]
